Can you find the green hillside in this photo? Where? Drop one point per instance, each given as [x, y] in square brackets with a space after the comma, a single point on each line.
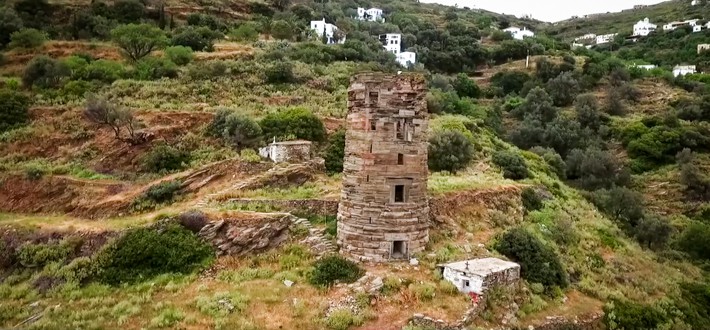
[622, 22]
[132, 194]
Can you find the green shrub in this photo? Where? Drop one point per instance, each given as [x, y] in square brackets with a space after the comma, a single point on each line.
[245, 32]
[106, 71]
[196, 38]
[207, 70]
[27, 38]
[531, 199]
[466, 87]
[449, 151]
[77, 88]
[297, 122]
[342, 319]
[241, 131]
[594, 168]
[152, 68]
[163, 192]
[512, 163]
[538, 263]
[280, 73]
[179, 55]
[619, 315]
[9, 22]
[146, 252]
[330, 269]
[44, 72]
[13, 109]
[621, 204]
[423, 292]
[128, 11]
[695, 240]
[41, 254]
[553, 159]
[249, 156]
[334, 154]
[164, 158]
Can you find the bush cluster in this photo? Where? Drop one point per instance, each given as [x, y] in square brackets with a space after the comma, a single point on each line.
[328, 270]
[512, 163]
[296, 122]
[146, 252]
[165, 158]
[449, 151]
[334, 153]
[538, 262]
[13, 109]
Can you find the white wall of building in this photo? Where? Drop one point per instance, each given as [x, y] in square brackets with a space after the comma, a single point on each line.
[519, 33]
[321, 27]
[372, 14]
[392, 42]
[605, 38]
[682, 70]
[644, 27]
[406, 59]
[464, 283]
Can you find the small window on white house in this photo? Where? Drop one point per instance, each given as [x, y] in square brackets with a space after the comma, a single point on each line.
[466, 283]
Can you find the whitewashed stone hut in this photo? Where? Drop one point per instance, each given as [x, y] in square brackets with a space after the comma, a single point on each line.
[287, 151]
[477, 275]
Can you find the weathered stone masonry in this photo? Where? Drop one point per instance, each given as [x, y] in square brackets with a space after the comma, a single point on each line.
[383, 212]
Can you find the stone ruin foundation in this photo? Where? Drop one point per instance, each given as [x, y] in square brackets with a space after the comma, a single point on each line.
[383, 213]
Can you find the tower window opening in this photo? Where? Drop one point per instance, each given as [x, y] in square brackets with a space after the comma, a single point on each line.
[400, 159]
[373, 125]
[374, 97]
[400, 130]
[399, 194]
[370, 147]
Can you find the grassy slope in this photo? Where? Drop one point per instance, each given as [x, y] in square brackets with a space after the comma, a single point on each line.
[622, 22]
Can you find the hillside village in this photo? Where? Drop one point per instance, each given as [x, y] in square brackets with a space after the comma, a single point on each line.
[352, 165]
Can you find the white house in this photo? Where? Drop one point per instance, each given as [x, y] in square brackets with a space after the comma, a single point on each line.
[674, 25]
[393, 44]
[644, 66]
[519, 33]
[321, 27]
[287, 151]
[477, 275]
[644, 27]
[605, 38]
[682, 70]
[372, 14]
[588, 37]
[695, 2]
[406, 59]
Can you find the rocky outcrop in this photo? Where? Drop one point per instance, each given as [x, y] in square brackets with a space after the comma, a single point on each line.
[238, 237]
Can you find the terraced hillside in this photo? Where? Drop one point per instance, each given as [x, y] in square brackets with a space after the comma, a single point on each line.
[132, 194]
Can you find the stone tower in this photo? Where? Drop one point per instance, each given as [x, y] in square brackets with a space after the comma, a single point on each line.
[384, 213]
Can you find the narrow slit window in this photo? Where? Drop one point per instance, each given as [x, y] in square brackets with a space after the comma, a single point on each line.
[373, 124]
[374, 97]
[399, 193]
[400, 130]
[367, 178]
[400, 159]
[370, 147]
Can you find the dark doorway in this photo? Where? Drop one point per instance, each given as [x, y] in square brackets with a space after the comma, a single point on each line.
[400, 159]
[399, 250]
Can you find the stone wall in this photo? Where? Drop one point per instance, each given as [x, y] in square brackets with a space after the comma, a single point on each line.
[383, 212]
